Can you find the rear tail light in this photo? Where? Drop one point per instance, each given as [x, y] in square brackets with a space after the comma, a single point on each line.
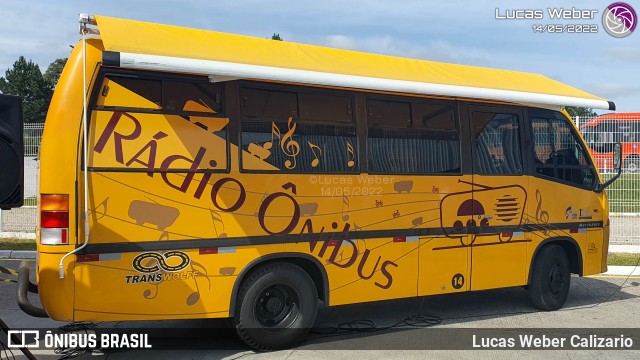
[54, 219]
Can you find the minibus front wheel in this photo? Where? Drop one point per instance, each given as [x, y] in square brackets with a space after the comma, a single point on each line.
[277, 306]
[550, 279]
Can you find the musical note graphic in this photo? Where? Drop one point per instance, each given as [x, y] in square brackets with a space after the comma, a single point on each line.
[148, 294]
[345, 203]
[289, 146]
[102, 213]
[542, 216]
[316, 161]
[274, 131]
[351, 155]
[194, 297]
[216, 217]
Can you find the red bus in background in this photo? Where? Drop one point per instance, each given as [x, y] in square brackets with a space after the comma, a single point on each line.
[603, 131]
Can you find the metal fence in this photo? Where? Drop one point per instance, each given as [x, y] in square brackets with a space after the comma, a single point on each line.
[599, 132]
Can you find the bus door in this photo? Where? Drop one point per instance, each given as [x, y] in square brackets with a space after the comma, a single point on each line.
[498, 242]
[444, 255]
[445, 258]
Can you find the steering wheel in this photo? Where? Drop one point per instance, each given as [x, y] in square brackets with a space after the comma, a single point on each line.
[560, 158]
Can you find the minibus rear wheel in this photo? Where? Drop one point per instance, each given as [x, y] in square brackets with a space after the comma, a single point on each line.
[550, 279]
[277, 305]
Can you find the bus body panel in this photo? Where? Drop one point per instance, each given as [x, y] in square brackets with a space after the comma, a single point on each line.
[563, 204]
[202, 288]
[174, 223]
[59, 166]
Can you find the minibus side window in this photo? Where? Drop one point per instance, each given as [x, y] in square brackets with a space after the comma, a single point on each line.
[298, 131]
[194, 97]
[497, 144]
[412, 138]
[150, 124]
[162, 95]
[559, 154]
[134, 93]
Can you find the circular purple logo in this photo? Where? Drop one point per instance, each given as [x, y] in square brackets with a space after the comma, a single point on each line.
[619, 19]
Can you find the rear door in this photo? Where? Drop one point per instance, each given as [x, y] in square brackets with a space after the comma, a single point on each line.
[11, 152]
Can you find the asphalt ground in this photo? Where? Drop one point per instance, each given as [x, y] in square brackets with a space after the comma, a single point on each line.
[594, 302]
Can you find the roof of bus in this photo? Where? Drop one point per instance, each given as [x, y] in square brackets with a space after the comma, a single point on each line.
[142, 45]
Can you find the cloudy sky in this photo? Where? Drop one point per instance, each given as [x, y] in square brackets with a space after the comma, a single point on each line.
[464, 32]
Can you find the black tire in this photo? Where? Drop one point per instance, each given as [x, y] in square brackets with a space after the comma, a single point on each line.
[277, 305]
[551, 278]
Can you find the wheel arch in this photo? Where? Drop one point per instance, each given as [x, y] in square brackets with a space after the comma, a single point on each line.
[569, 245]
[308, 263]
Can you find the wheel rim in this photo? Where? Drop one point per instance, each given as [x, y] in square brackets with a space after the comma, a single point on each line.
[632, 167]
[277, 306]
[557, 279]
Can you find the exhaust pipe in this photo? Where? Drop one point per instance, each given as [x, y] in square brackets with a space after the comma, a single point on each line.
[25, 286]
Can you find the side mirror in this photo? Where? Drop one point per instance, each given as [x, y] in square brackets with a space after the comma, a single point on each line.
[617, 165]
[617, 157]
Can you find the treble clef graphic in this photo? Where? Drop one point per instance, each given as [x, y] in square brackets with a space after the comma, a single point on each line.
[289, 146]
[542, 216]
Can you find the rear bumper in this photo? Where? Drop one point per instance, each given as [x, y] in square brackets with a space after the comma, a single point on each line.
[24, 287]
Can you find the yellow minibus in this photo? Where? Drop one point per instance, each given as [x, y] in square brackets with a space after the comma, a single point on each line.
[195, 174]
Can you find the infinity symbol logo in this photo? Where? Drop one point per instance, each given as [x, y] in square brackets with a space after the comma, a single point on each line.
[159, 261]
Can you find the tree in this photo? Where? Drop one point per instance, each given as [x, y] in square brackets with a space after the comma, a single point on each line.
[53, 72]
[580, 111]
[25, 79]
[276, 37]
